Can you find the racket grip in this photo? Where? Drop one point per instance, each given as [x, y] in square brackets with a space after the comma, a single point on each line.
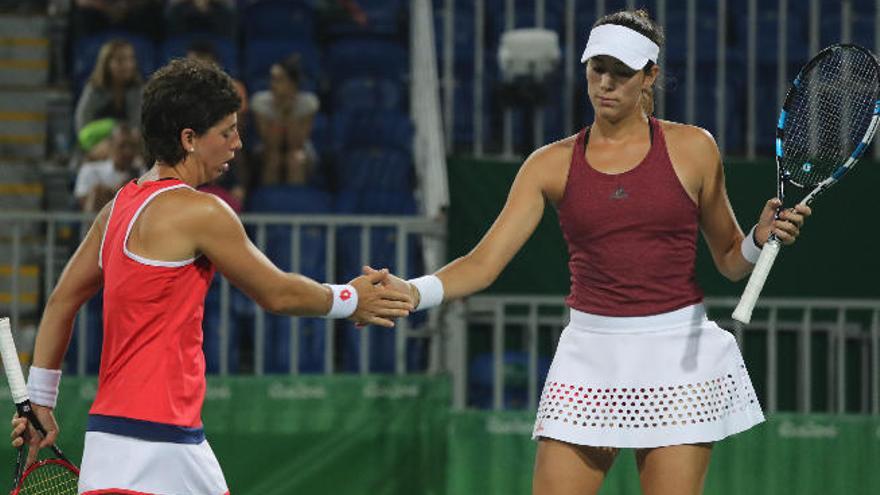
[743, 311]
[11, 365]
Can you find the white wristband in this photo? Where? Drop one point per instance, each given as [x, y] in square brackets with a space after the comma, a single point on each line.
[42, 386]
[749, 247]
[430, 291]
[345, 301]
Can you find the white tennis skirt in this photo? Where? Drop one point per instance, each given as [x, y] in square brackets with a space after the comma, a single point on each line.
[648, 381]
[115, 464]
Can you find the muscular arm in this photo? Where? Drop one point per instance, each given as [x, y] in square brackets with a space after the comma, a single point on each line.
[80, 280]
[539, 177]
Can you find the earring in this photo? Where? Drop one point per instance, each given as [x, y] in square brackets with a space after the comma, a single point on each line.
[192, 150]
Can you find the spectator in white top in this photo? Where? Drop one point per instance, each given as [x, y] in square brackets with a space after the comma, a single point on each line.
[98, 181]
[284, 116]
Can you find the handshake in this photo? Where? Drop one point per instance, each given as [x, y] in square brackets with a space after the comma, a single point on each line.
[382, 298]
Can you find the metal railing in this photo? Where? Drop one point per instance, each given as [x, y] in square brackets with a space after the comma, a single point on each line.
[849, 328]
[47, 239]
[723, 13]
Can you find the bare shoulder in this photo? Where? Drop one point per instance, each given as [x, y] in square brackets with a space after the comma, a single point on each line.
[555, 152]
[548, 165]
[190, 209]
[689, 142]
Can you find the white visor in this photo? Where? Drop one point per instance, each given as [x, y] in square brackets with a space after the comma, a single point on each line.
[627, 45]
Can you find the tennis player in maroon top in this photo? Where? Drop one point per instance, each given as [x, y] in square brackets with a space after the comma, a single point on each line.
[639, 365]
[154, 250]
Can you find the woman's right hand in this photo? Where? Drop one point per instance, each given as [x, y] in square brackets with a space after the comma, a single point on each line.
[23, 431]
[379, 304]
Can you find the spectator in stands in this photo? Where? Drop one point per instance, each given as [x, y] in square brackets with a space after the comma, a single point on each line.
[284, 116]
[202, 16]
[134, 16]
[98, 181]
[114, 88]
[231, 186]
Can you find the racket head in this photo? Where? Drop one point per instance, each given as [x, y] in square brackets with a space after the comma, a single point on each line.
[828, 118]
[48, 477]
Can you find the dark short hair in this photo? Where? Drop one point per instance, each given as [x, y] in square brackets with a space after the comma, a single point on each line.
[183, 94]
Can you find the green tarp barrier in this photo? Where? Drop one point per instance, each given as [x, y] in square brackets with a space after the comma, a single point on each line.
[307, 435]
[490, 453]
[316, 435]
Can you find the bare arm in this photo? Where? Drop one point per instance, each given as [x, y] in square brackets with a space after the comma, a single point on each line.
[80, 280]
[538, 178]
[717, 220]
[217, 232]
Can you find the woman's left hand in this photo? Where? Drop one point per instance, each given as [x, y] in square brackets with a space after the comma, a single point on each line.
[787, 226]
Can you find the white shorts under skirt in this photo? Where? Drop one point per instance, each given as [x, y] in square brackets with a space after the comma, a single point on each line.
[124, 465]
[640, 382]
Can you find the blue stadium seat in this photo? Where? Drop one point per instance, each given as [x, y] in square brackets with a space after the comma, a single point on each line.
[384, 18]
[279, 20]
[85, 54]
[372, 130]
[259, 55]
[227, 51]
[385, 169]
[481, 373]
[368, 93]
[349, 58]
[93, 310]
[312, 263]
[382, 254]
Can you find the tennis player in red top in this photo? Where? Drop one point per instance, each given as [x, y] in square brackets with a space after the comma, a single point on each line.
[639, 365]
[154, 249]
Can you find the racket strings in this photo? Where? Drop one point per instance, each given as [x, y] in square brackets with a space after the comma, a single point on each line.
[828, 115]
[49, 479]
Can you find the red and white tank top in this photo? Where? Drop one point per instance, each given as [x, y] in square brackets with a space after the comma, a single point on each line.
[632, 237]
[152, 364]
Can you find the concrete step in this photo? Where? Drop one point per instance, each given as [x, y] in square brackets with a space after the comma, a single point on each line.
[24, 50]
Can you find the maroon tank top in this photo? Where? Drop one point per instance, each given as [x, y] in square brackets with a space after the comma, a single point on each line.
[632, 237]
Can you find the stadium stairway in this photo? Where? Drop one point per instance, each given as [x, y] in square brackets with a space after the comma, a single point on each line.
[28, 110]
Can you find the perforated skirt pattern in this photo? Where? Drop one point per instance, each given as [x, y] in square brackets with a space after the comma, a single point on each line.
[640, 382]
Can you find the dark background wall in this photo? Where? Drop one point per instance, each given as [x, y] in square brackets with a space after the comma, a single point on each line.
[836, 256]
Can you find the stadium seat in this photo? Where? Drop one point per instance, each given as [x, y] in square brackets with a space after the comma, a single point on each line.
[385, 18]
[260, 54]
[349, 58]
[368, 93]
[481, 379]
[372, 130]
[382, 254]
[227, 51]
[279, 20]
[311, 263]
[386, 169]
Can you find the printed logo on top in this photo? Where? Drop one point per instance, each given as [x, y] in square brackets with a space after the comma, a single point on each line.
[295, 391]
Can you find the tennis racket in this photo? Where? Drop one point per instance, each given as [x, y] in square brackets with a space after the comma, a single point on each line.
[56, 476]
[829, 117]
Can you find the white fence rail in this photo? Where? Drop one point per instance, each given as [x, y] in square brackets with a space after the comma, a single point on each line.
[847, 330]
[44, 241]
